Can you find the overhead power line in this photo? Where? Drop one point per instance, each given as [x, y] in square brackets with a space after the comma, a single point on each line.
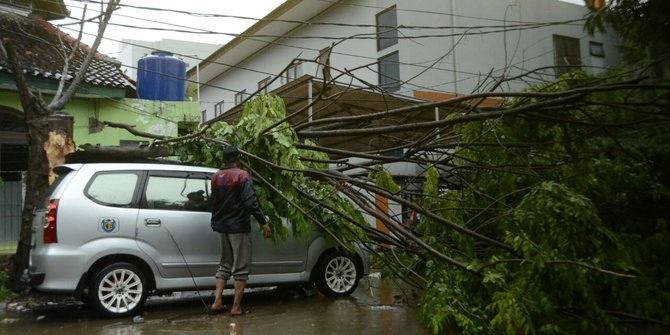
[341, 24]
[259, 38]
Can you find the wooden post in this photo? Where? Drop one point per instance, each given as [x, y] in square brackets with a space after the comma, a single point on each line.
[382, 204]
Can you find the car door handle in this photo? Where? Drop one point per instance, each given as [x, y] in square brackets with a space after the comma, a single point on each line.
[152, 222]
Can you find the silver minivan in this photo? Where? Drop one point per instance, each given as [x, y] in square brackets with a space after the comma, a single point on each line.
[115, 233]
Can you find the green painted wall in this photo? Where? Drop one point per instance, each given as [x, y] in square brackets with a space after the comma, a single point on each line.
[10, 99]
[156, 117]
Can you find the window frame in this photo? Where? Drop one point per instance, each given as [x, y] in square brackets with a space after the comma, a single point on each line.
[381, 75]
[135, 193]
[596, 49]
[386, 37]
[206, 177]
[560, 43]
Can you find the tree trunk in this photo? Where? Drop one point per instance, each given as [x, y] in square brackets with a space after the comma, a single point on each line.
[50, 136]
[89, 153]
[49, 141]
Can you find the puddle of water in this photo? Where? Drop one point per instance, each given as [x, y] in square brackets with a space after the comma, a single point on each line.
[376, 308]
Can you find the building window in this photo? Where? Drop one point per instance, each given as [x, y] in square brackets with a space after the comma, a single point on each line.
[263, 85]
[218, 108]
[239, 97]
[568, 56]
[292, 73]
[203, 115]
[387, 28]
[596, 49]
[389, 72]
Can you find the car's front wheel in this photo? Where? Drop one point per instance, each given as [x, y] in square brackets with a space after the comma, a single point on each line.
[118, 289]
[337, 274]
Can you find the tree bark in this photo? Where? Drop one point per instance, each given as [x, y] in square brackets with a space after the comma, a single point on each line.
[37, 163]
[48, 144]
[93, 153]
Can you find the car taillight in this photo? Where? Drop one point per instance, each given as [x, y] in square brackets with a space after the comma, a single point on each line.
[50, 235]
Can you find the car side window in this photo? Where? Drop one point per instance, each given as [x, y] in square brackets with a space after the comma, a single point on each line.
[114, 189]
[183, 193]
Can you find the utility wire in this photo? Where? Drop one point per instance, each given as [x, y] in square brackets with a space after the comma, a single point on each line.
[369, 37]
[370, 58]
[337, 24]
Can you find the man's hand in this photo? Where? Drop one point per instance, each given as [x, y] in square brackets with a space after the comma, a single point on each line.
[266, 231]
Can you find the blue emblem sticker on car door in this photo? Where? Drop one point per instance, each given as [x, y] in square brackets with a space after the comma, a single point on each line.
[108, 225]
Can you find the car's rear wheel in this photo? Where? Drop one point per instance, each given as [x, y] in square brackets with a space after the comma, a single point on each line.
[337, 274]
[118, 289]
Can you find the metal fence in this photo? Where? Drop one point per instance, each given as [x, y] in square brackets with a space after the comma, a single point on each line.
[11, 203]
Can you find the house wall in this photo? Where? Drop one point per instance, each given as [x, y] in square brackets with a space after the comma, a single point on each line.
[450, 62]
[275, 57]
[156, 117]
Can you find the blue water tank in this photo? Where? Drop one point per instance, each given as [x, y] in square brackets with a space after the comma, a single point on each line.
[161, 76]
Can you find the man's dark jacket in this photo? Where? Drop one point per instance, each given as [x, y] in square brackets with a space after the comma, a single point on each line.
[234, 201]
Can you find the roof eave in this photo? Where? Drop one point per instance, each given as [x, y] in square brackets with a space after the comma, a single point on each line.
[270, 26]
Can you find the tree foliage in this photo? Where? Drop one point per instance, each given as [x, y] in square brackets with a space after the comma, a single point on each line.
[278, 167]
[555, 220]
[581, 195]
[642, 24]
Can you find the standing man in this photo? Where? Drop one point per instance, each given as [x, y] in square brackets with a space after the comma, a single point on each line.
[233, 203]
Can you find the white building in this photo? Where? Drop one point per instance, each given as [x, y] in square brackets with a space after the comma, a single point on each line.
[427, 50]
[440, 47]
[131, 51]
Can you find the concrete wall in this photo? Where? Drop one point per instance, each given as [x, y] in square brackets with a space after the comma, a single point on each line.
[156, 117]
[449, 62]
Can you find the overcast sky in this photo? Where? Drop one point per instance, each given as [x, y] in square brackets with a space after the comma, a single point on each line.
[151, 18]
[136, 17]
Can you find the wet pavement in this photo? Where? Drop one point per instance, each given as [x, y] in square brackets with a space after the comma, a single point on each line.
[377, 307]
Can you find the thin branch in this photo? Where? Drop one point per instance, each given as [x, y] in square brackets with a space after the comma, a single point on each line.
[329, 174]
[58, 104]
[441, 123]
[630, 84]
[394, 226]
[68, 58]
[562, 261]
[131, 129]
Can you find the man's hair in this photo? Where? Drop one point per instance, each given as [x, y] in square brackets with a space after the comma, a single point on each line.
[230, 154]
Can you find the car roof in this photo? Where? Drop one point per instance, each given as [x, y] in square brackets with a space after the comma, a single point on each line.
[132, 166]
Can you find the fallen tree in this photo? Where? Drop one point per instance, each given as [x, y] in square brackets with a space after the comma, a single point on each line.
[544, 214]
